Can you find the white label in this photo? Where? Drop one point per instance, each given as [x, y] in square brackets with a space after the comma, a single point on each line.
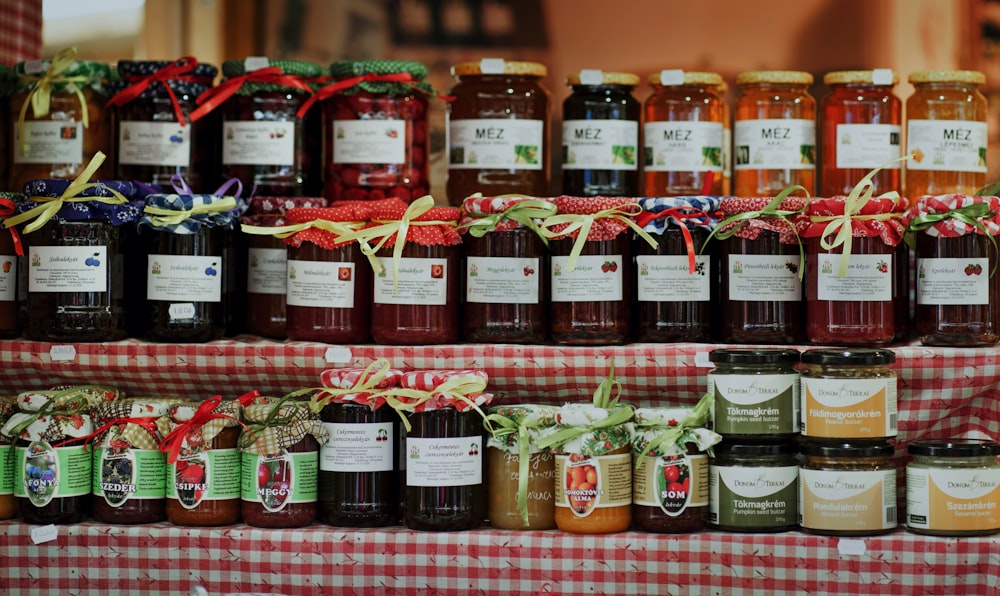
[68, 269]
[369, 141]
[683, 146]
[749, 482]
[851, 547]
[43, 534]
[358, 447]
[595, 278]
[184, 278]
[8, 277]
[49, 141]
[266, 271]
[956, 498]
[668, 278]
[833, 407]
[62, 353]
[337, 355]
[600, 144]
[501, 280]
[420, 281]
[867, 145]
[252, 63]
[320, 284]
[946, 145]
[775, 143]
[764, 277]
[495, 143]
[953, 281]
[258, 142]
[181, 311]
[456, 461]
[868, 278]
[154, 144]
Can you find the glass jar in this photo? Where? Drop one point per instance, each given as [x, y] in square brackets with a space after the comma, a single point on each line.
[11, 257]
[498, 130]
[946, 133]
[8, 81]
[861, 128]
[756, 393]
[774, 133]
[8, 504]
[506, 270]
[675, 287]
[520, 474]
[65, 126]
[958, 290]
[754, 487]
[154, 136]
[847, 489]
[683, 135]
[601, 135]
[848, 394]
[951, 487]
[722, 89]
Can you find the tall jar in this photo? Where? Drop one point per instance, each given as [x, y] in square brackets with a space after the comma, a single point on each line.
[727, 139]
[57, 113]
[860, 121]
[675, 281]
[520, 474]
[11, 267]
[849, 395]
[946, 133]
[754, 487]
[852, 290]
[498, 130]
[601, 135]
[755, 393]
[958, 289]
[154, 136]
[774, 133]
[951, 487]
[506, 269]
[8, 80]
[683, 135]
[8, 504]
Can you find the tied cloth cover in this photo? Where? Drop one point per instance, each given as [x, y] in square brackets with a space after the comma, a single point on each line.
[787, 220]
[114, 213]
[684, 213]
[366, 386]
[953, 215]
[8, 407]
[392, 78]
[587, 429]
[131, 423]
[881, 218]
[592, 219]
[187, 213]
[427, 390]
[56, 414]
[277, 76]
[481, 215]
[267, 211]
[273, 427]
[153, 79]
[667, 431]
[192, 426]
[424, 223]
[324, 226]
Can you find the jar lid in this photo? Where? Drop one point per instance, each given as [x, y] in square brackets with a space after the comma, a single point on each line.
[680, 77]
[599, 77]
[948, 76]
[95, 71]
[878, 76]
[957, 447]
[663, 416]
[754, 356]
[302, 68]
[139, 68]
[856, 356]
[847, 450]
[488, 66]
[755, 449]
[791, 77]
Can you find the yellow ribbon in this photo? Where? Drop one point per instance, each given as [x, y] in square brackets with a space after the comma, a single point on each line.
[582, 223]
[523, 212]
[337, 228]
[373, 374]
[172, 217]
[513, 426]
[40, 96]
[51, 205]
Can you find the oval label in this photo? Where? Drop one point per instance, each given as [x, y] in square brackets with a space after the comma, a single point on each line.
[41, 473]
[673, 483]
[191, 479]
[117, 475]
[583, 481]
[274, 480]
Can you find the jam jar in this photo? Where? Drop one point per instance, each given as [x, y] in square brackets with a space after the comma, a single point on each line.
[506, 269]
[852, 288]
[8, 504]
[849, 394]
[498, 130]
[722, 89]
[774, 133]
[860, 125]
[154, 137]
[755, 393]
[8, 81]
[675, 281]
[946, 137]
[958, 289]
[11, 256]
[670, 476]
[57, 113]
[951, 487]
[279, 450]
[754, 487]
[683, 135]
[519, 473]
[601, 135]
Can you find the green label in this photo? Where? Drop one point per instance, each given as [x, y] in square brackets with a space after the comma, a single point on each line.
[123, 474]
[6, 470]
[43, 472]
[755, 404]
[753, 497]
[277, 479]
[212, 475]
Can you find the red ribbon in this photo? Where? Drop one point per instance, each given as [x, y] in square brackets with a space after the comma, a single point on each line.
[338, 86]
[148, 424]
[7, 209]
[172, 443]
[216, 96]
[171, 72]
[680, 214]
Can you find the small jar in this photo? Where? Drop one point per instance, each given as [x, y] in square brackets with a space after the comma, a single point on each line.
[861, 120]
[756, 393]
[683, 135]
[11, 257]
[506, 270]
[951, 487]
[754, 487]
[675, 281]
[849, 394]
[774, 133]
[958, 290]
[498, 130]
[946, 121]
[8, 504]
[600, 152]
[846, 489]
[520, 474]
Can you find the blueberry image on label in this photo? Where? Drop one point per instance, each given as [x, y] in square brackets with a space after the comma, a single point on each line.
[93, 261]
[210, 270]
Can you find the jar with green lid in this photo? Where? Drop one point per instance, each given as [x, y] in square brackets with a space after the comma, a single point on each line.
[601, 135]
[520, 474]
[754, 487]
[952, 487]
[847, 489]
[756, 393]
[849, 394]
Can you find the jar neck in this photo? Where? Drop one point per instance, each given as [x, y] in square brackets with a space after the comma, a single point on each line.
[936, 461]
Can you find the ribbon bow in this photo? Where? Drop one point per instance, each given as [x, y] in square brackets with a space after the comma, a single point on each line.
[582, 222]
[367, 383]
[457, 389]
[7, 209]
[40, 96]
[337, 228]
[523, 212]
[696, 418]
[679, 215]
[337, 86]
[215, 96]
[606, 397]
[147, 424]
[274, 419]
[171, 72]
[503, 426]
[969, 215]
[173, 443]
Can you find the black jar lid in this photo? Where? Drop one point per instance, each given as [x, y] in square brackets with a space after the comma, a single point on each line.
[847, 449]
[954, 447]
[755, 449]
[754, 355]
[849, 356]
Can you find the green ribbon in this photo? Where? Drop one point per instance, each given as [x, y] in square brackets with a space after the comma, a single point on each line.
[618, 416]
[249, 436]
[500, 426]
[672, 435]
[523, 212]
[969, 215]
[73, 401]
[990, 190]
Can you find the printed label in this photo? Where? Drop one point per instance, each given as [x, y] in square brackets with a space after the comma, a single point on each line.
[541, 477]
[176, 278]
[452, 461]
[953, 499]
[358, 447]
[49, 142]
[267, 268]
[868, 146]
[320, 284]
[764, 278]
[727, 151]
[668, 278]
[585, 483]
[420, 281]
[594, 278]
[43, 472]
[154, 144]
[673, 483]
[946, 145]
[600, 144]
[124, 474]
[67, 269]
[868, 278]
[276, 480]
[847, 501]
[212, 475]
[753, 497]
[258, 142]
[775, 143]
[495, 143]
[754, 404]
[683, 146]
[953, 281]
[494, 280]
[369, 141]
[849, 408]
[6, 470]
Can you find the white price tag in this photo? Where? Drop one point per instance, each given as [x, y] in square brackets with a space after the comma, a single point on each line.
[253, 63]
[181, 311]
[882, 76]
[62, 353]
[701, 360]
[338, 355]
[44, 533]
[589, 76]
[492, 65]
[851, 547]
[672, 77]
[32, 67]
